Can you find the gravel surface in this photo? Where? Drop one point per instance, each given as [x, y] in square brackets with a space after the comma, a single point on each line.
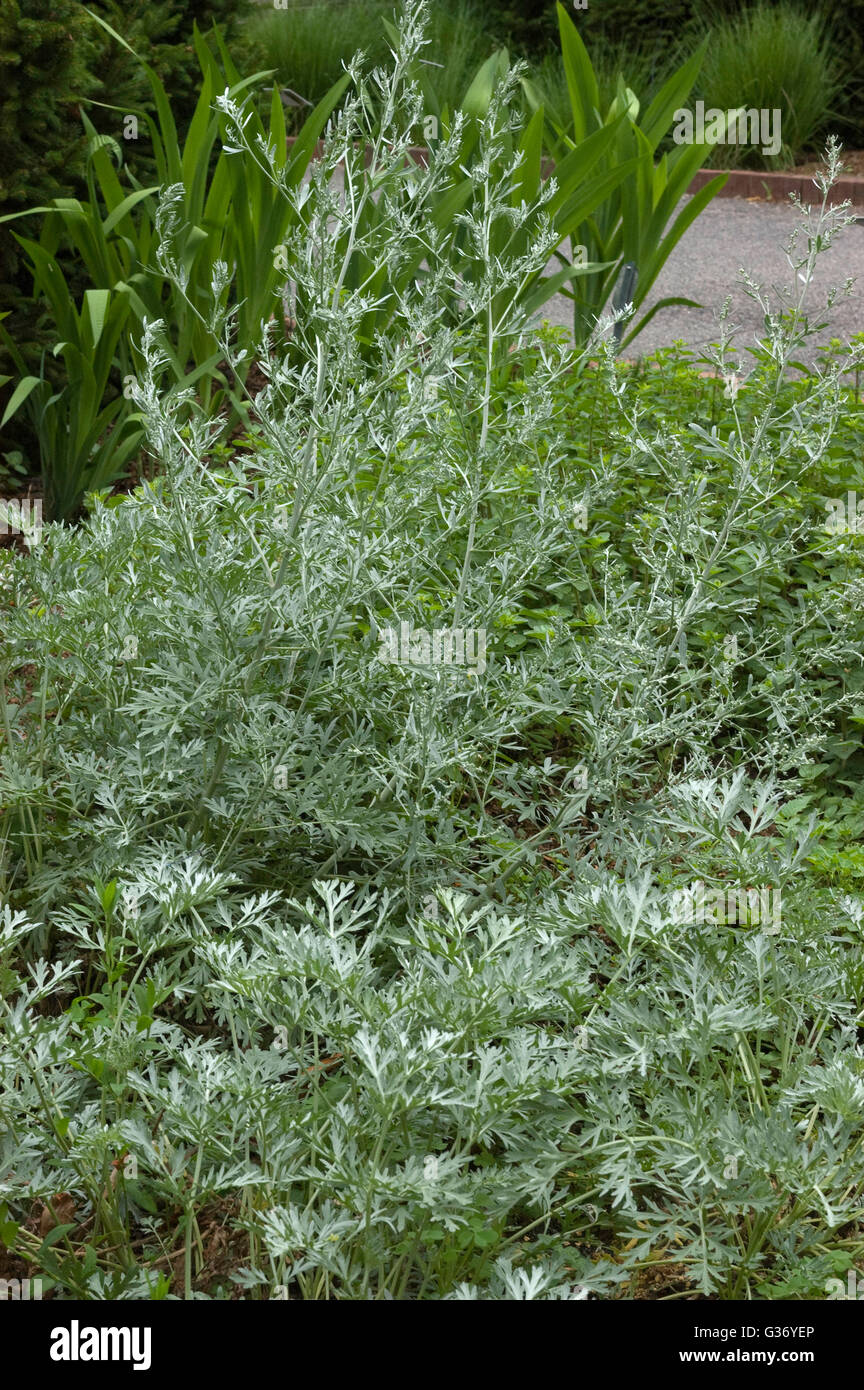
[729, 234]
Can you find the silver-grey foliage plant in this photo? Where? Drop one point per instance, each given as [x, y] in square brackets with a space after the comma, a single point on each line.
[291, 887]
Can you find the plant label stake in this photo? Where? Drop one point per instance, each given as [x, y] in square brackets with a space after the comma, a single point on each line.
[627, 285]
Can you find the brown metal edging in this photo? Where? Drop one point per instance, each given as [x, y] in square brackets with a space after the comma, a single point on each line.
[776, 187]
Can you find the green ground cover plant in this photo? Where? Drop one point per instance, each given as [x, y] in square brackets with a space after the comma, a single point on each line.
[373, 966]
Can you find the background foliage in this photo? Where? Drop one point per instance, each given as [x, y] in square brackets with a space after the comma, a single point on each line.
[55, 63]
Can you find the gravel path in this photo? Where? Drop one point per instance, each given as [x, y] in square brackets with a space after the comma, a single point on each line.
[732, 233]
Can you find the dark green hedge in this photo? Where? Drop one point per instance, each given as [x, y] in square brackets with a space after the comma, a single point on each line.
[846, 18]
[161, 32]
[46, 53]
[529, 27]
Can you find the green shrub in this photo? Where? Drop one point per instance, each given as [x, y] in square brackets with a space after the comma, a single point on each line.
[309, 44]
[44, 56]
[53, 57]
[771, 57]
[161, 31]
[658, 27]
[650, 24]
[528, 26]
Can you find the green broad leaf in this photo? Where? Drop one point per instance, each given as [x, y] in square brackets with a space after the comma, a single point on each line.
[479, 94]
[108, 895]
[581, 81]
[140, 1197]
[96, 303]
[8, 1229]
[626, 103]
[54, 1236]
[19, 396]
[671, 97]
[808, 772]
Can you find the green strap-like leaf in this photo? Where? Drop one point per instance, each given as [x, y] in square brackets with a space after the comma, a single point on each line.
[163, 106]
[19, 396]
[581, 81]
[479, 94]
[531, 146]
[571, 172]
[688, 214]
[671, 97]
[123, 209]
[590, 196]
[278, 130]
[306, 141]
[96, 306]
